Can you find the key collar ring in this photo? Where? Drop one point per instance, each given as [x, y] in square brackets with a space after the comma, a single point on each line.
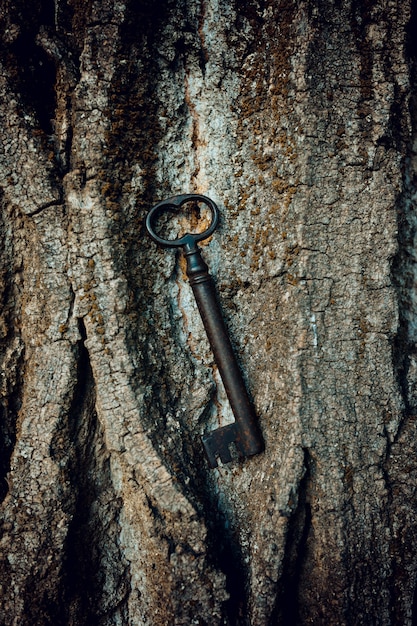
[174, 204]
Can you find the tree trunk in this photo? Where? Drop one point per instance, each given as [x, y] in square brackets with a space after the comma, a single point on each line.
[298, 119]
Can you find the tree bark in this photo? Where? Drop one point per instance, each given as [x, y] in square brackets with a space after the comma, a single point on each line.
[298, 119]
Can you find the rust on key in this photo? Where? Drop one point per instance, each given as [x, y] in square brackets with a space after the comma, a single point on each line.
[244, 433]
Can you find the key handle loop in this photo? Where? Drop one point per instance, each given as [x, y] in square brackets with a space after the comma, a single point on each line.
[174, 204]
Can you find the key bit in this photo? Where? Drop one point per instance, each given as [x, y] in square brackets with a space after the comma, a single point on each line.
[244, 433]
[217, 444]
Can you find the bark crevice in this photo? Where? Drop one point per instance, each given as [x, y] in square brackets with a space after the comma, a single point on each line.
[9, 409]
[11, 351]
[95, 579]
[286, 611]
[226, 552]
[404, 265]
[32, 70]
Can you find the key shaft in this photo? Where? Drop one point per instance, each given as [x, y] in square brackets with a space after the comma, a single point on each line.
[247, 435]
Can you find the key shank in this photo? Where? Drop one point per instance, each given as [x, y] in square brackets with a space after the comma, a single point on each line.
[248, 437]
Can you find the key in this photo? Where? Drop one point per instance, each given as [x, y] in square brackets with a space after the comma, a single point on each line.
[244, 433]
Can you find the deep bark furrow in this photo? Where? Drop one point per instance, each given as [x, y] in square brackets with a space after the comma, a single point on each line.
[93, 563]
[286, 611]
[400, 463]
[12, 348]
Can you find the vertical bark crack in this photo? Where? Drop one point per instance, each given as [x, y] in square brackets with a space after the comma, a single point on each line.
[231, 563]
[286, 612]
[8, 419]
[11, 352]
[95, 578]
[400, 470]
[404, 267]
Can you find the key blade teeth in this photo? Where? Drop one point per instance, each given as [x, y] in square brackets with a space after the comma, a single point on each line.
[225, 455]
[216, 444]
[210, 454]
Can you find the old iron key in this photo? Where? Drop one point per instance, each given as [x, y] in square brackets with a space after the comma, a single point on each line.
[244, 432]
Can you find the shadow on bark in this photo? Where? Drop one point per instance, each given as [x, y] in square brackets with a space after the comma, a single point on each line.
[401, 469]
[31, 69]
[404, 264]
[286, 612]
[95, 579]
[11, 351]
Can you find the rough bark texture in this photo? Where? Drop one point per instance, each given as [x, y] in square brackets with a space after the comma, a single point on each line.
[298, 119]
